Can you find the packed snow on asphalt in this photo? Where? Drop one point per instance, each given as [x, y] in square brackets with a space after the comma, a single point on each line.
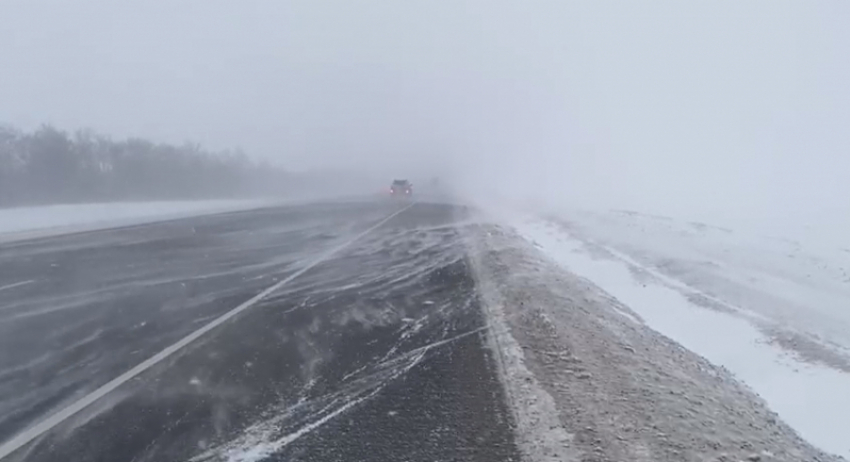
[26, 222]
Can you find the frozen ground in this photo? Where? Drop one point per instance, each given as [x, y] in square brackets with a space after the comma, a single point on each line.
[773, 312]
[23, 222]
[587, 380]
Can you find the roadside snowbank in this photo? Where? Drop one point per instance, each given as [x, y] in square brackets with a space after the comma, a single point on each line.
[26, 222]
[738, 303]
[804, 284]
[620, 390]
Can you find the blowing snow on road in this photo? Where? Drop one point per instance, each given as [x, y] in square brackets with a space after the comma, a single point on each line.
[433, 231]
[345, 331]
[369, 345]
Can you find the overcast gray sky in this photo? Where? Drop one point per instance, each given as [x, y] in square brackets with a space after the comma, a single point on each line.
[738, 108]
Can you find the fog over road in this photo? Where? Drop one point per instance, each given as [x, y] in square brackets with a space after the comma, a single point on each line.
[313, 332]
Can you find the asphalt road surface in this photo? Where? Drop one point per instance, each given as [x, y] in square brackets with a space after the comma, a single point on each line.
[337, 331]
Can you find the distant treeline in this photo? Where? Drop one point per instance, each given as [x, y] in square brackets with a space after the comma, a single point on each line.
[50, 166]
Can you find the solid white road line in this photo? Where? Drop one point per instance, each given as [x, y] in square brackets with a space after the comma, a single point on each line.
[47, 424]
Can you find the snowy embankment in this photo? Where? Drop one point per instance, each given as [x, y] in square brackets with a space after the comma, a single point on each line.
[588, 380]
[27, 222]
[772, 312]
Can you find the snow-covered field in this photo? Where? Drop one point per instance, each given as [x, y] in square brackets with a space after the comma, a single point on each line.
[774, 312]
[24, 222]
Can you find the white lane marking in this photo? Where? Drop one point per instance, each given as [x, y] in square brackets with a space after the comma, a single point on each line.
[17, 284]
[47, 424]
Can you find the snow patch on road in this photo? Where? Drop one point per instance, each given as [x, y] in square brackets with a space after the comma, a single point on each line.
[23, 222]
[811, 397]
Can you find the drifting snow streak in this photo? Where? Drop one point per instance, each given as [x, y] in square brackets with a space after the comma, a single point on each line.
[17, 284]
[60, 416]
[262, 440]
[415, 254]
[395, 264]
[258, 452]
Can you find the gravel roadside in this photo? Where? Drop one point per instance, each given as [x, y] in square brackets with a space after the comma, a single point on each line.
[587, 382]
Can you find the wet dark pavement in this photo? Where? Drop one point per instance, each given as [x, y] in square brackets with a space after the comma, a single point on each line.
[375, 353]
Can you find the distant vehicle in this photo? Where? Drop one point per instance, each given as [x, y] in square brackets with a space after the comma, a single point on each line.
[401, 188]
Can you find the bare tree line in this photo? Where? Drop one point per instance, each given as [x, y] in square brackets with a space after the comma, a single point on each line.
[49, 166]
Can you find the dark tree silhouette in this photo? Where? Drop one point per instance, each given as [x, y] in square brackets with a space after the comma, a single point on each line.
[49, 166]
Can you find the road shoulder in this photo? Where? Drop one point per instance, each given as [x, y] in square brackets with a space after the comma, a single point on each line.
[620, 390]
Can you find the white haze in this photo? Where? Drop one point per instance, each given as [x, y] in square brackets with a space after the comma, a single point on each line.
[728, 111]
